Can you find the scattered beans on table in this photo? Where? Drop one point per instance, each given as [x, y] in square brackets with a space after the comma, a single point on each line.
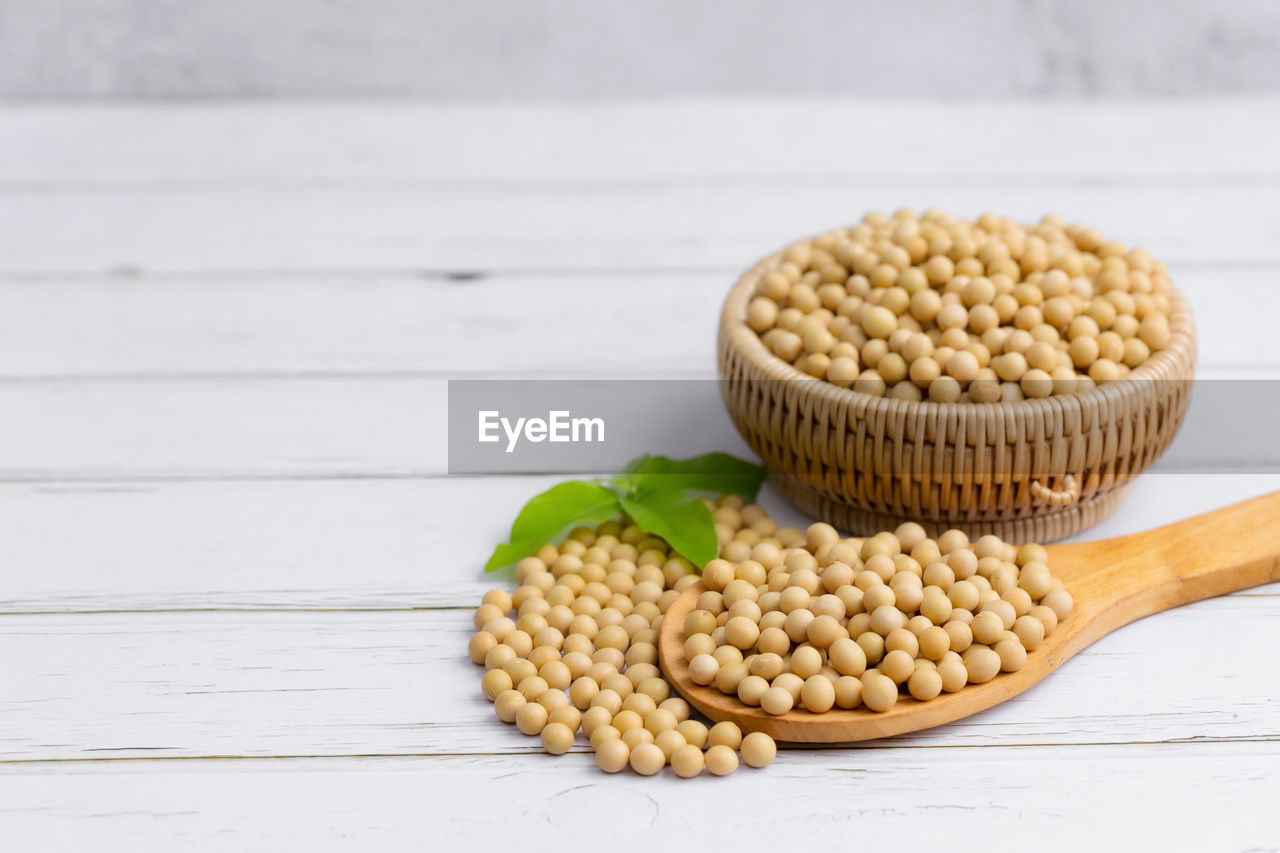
[789, 621]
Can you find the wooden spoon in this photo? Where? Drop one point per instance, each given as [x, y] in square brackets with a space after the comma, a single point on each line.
[1113, 581]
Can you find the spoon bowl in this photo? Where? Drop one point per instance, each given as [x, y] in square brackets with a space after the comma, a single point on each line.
[1112, 581]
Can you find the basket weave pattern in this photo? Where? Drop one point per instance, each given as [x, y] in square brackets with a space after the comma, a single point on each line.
[866, 463]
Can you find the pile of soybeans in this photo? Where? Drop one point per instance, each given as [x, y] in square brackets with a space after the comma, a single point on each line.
[824, 622]
[933, 307]
[788, 618]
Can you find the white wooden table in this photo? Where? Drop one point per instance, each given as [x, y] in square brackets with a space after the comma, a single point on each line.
[236, 577]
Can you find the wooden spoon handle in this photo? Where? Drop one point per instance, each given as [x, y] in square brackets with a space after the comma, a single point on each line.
[1130, 577]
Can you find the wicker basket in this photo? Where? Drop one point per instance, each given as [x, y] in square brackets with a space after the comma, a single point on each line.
[1035, 470]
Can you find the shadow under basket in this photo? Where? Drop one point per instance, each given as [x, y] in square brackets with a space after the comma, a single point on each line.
[1033, 470]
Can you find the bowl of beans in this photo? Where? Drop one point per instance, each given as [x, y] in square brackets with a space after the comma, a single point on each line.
[986, 375]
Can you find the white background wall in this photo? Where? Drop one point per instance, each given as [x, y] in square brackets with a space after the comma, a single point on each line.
[544, 49]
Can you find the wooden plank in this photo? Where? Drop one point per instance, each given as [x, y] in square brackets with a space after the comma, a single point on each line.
[1065, 798]
[383, 427]
[500, 326]
[343, 544]
[641, 227]
[287, 544]
[387, 426]
[294, 684]
[395, 683]
[503, 325]
[751, 138]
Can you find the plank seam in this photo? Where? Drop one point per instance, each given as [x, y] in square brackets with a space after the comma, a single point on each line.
[583, 750]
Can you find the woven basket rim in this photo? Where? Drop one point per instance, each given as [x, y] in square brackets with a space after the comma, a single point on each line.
[1173, 362]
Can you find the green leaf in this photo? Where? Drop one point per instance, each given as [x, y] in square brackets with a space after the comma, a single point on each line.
[549, 514]
[684, 522]
[718, 473]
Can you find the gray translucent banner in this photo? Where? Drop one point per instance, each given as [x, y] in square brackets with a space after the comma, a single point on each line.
[583, 426]
[596, 426]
